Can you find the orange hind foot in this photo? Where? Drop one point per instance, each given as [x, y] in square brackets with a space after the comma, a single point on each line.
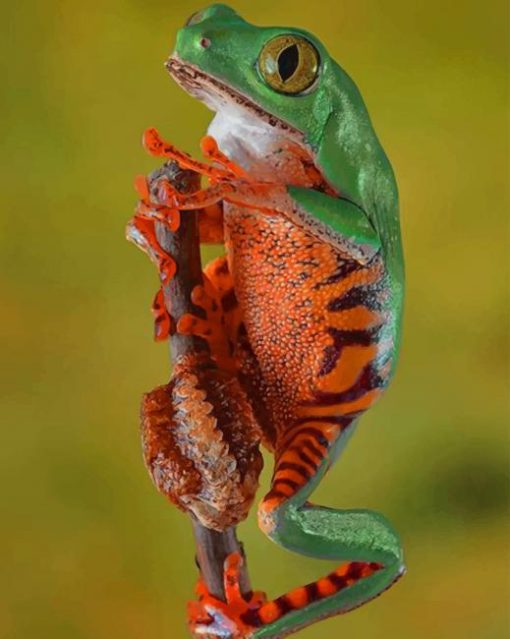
[211, 617]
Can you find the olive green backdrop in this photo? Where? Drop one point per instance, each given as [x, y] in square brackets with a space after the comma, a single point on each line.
[90, 550]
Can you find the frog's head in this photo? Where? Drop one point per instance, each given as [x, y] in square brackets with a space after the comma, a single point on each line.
[276, 81]
[277, 75]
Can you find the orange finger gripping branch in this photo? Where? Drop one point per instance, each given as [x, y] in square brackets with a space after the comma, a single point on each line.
[211, 151]
[161, 201]
[157, 147]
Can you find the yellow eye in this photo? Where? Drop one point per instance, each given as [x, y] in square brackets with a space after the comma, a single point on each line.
[289, 64]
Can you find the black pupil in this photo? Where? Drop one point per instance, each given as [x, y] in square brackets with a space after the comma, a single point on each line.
[288, 62]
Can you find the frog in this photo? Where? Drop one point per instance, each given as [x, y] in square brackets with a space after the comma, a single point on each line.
[304, 310]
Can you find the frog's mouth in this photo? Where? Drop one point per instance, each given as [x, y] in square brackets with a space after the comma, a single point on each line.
[219, 97]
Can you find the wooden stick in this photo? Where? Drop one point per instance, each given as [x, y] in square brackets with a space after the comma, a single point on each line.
[184, 248]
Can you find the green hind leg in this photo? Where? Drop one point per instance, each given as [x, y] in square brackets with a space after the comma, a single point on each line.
[363, 541]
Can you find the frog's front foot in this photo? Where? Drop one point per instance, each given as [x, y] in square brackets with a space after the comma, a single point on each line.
[159, 193]
[212, 618]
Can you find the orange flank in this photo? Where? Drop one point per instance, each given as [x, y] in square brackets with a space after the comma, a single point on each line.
[354, 319]
[352, 361]
[360, 277]
[362, 403]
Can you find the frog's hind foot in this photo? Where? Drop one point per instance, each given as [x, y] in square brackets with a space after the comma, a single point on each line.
[213, 618]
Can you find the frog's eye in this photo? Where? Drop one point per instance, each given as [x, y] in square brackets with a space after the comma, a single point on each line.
[289, 64]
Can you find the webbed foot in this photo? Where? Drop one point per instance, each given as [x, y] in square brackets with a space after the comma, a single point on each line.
[213, 618]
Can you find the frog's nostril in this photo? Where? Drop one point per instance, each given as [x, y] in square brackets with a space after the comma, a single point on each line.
[205, 43]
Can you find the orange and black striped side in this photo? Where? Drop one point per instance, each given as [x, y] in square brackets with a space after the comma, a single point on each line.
[344, 577]
[352, 375]
[355, 364]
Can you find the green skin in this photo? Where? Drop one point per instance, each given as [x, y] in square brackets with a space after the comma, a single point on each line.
[336, 127]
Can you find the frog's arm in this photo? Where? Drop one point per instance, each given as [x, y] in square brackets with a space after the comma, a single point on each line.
[337, 216]
[331, 218]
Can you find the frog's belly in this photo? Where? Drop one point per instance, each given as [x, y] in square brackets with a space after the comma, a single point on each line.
[313, 316]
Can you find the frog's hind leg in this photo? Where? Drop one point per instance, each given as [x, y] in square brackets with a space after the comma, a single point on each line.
[361, 538]
[221, 317]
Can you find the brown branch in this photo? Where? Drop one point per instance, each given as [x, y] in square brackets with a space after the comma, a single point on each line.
[184, 248]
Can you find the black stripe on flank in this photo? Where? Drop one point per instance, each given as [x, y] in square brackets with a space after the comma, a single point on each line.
[361, 337]
[330, 359]
[368, 380]
[297, 468]
[357, 296]
[341, 338]
[343, 269]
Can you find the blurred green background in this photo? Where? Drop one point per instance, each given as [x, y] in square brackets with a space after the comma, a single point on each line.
[90, 550]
